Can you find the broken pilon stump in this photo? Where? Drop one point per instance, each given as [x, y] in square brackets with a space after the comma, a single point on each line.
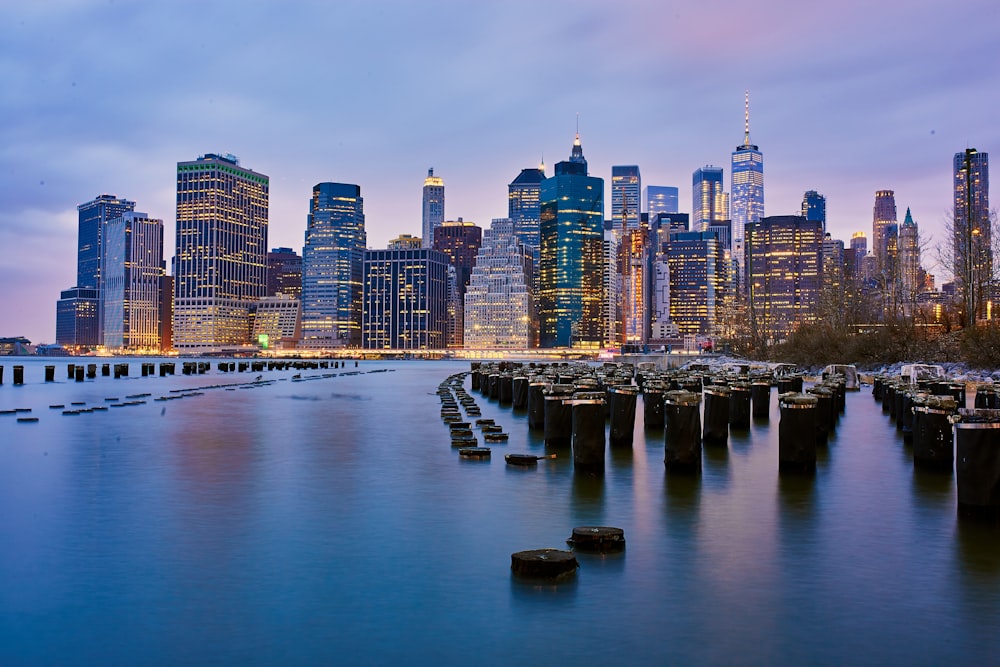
[977, 463]
[600, 539]
[544, 564]
[797, 433]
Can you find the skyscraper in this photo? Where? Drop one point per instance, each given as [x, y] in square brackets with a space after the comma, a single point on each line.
[708, 202]
[660, 199]
[221, 263]
[697, 272]
[855, 256]
[747, 180]
[784, 260]
[883, 216]
[626, 186]
[814, 206]
[499, 305]
[332, 266]
[405, 293]
[972, 250]
[78, 313]
[524, 207]
[571, 273]
[131, 270]
[433, 208]
[460, 241]
[284, 273]
[910, 273]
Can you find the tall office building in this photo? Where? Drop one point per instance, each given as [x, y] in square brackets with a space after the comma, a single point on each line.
[747, 180]
[499, 304]
[460, 241]
[221, 263]
[784, 260]
[814, 206]
[883, 217]
[83, 301]
[708, 202]
[571, 273]
[131, 272]
[634, 268]
[332, 265]
[611, 306]
[626, 187]
[524, 207]
[405, 299]
[973, 249]
[911, 276]
[697, 274]
[660, 199]
[433, 207]
[833, 265]
[855, 255]
[284, 273]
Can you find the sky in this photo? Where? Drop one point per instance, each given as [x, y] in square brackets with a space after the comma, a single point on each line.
[846, 98]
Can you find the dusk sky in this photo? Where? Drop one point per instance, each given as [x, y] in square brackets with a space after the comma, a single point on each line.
[106, 97]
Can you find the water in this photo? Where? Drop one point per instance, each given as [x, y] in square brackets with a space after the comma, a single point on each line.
[330, 522]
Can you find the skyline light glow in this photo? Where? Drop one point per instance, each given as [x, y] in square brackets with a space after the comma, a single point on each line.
[847, 99]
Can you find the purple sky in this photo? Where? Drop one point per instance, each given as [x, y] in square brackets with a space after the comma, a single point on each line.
[106, 97]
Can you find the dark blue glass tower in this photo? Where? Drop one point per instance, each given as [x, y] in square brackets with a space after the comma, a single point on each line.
[814, 207]
[571, 271]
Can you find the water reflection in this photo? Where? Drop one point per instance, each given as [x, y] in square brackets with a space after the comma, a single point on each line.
[588, 493]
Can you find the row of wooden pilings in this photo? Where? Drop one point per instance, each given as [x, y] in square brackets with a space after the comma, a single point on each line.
[573, 403]
[945, 435]
[81, 372]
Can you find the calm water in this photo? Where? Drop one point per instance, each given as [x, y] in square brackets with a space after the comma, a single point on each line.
[330, 522]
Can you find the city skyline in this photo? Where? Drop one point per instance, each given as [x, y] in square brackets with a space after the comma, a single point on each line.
[75, 129]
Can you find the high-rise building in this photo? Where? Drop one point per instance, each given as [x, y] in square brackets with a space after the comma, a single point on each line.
[571, 273]
[626, 187]
[855, 255]
[332, 266]
[784, 260]
[405, 299]
[972, 248]
[883, 216]
[433, 207]
[460, 241]
[221, 263]
[814, 206]
[833, 265]
[660, 199]
[284, 273]
[131, 271]
[84, 300]
[708, 202]
[697, 273]
[524, 207]
[611, 305]
[405, 242]
[747, 180]
[634, 267]
[911, 276]
[276, 322]
[499, 304]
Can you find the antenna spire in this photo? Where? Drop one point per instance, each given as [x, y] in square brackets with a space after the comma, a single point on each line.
[746, 120]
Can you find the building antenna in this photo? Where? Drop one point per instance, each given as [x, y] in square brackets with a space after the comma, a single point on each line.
[746, 120]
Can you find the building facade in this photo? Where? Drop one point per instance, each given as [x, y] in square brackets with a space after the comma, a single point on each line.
[814, 206]
[460, 241]
[911, 275]
[524, 208]
[221, 263]
[77, 314]
[884, 217]
[499, 304]
[660, 199]
[697, 273]
[708, 201]
[433, 207]
[284, 273]
[405, 299]
[972, 249]
[784, 260]
[132, 269]
[571, 271]
[626, 188]
[332, 266]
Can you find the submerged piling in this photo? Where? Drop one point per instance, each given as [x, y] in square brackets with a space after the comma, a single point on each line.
[682, 430]
[623, 400]
[977, 463]
[716, 431]
[797, 433]
[760, 396]
[932, 432]
[588, 434]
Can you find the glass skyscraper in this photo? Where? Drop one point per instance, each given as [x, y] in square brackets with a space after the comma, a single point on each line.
[697, 274]
[747, 181]
[626, 186]
[814, 206]
[972, 250]
[524, 208]
[221, 263]
[405, 299]
[571, 271]
[660, 199]
[132, 268]
[332, 266]
[433, 207]
[708, 202]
